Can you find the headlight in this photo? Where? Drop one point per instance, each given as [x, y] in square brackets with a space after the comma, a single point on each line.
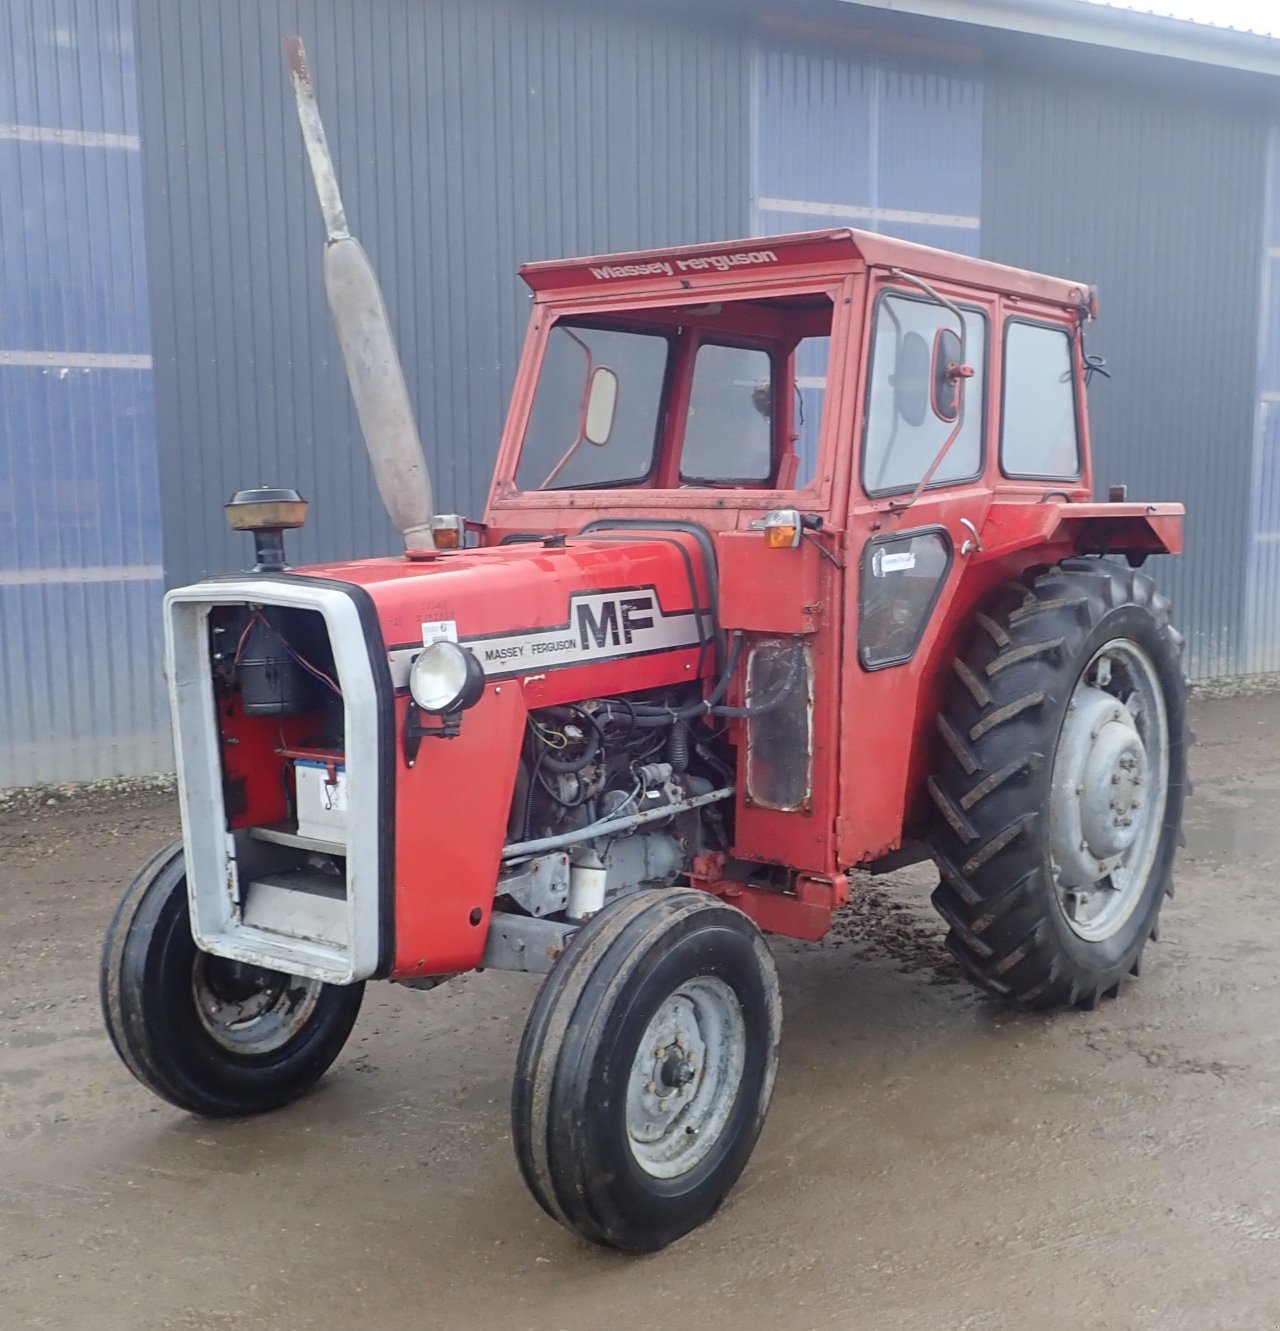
[445, 678]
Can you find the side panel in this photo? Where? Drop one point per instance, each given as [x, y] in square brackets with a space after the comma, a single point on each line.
[451, 820]
[775, 596]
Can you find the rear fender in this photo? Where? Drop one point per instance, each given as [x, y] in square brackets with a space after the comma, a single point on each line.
[1060, 529]
[1128, 529]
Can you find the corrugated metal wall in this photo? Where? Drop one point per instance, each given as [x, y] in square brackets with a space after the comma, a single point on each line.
[869, 141]
[1262, 605]
[469, 136]
[1159, 200]
[80, 551]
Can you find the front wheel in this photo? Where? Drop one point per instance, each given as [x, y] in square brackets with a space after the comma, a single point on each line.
[646, 1068]
[215, 1037]
[1060, 784]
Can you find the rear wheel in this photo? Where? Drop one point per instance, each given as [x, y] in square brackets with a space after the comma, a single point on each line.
[212, 1036]
[646, 1068]
[1060, 784]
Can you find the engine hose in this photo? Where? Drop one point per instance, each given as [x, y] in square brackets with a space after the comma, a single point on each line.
[776, 698]
[644, 714]
[658, 716]
[678, 747]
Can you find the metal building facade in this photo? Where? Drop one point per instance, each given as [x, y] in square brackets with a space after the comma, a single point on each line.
[80, 551]
[1167, 219]
[471, 135]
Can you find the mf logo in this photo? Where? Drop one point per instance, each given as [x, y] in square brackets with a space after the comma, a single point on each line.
[613, 620]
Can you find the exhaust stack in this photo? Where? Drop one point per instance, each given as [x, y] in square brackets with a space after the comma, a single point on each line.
[364, 334]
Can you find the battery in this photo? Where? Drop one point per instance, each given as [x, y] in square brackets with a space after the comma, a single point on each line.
[322, 800]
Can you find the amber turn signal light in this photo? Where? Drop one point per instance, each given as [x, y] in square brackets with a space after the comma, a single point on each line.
[447, 531]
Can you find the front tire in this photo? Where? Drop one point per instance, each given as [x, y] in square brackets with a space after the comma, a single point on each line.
[646, 1068]
[1060, 783]
[214, 1037]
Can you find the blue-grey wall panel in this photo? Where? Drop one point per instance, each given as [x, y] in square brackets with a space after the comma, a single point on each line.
[861, 139]
[469, 136]
[1158, 200]
[1262, 607]
[80, 546]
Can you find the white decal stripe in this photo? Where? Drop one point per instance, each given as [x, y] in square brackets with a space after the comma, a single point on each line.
[532, 652]
[603, 626]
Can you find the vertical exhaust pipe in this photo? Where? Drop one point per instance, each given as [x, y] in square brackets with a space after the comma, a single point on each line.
[364, 334]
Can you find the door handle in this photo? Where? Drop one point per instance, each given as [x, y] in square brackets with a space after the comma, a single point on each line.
[972, 544]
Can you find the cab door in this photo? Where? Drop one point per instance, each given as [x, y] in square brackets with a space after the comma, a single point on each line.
[919, 498]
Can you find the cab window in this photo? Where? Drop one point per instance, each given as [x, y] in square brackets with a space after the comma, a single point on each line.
[728, 435]
[1038, 425]
[572, 439]
[704, 394]
[905, 430]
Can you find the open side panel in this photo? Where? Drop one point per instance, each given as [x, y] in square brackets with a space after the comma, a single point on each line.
[279, 751]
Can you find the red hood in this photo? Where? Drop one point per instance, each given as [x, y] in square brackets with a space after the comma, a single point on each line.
[531, 609]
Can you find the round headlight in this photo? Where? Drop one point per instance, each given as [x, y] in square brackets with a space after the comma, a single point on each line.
[445, 678]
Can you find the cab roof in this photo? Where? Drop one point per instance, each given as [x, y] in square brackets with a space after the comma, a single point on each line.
[802, 254]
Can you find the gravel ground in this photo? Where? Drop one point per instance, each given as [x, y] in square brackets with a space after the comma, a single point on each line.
[930, 1161]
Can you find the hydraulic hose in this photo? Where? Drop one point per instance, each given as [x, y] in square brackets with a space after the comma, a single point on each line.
[777, 697]
[647, 715]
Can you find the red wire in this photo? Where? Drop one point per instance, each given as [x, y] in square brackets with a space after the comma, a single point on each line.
[259, 618]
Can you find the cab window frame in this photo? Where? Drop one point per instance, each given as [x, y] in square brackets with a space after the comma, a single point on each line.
[834, 294]
[1076, 415]
[983, 372]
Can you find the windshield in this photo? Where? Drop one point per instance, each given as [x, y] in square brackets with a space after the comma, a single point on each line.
[557, 453]
[749, 375]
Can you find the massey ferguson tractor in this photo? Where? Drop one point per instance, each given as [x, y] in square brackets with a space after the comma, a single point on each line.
[790, 567]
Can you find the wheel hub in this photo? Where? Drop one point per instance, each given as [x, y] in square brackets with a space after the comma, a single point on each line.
[1108, 789]
[249, 1009]
[685, 1076]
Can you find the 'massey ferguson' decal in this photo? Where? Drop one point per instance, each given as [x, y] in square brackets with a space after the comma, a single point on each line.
[698, 263]
[602, 626]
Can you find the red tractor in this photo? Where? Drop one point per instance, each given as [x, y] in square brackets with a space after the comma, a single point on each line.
[790, 567]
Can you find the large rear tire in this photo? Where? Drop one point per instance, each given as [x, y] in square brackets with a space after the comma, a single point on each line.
[1060, 783]
[646, 1068]
[214, 1037]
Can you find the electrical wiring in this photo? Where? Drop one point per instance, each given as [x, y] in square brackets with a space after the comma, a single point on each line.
[258, 618]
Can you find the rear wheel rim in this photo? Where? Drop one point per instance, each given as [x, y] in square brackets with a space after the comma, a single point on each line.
[250, 1010]
[1109, 790]
[686, 1077]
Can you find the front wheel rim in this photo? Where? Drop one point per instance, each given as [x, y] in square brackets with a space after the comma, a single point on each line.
[1109, 790]
[686, 1077]
[250, 1010]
